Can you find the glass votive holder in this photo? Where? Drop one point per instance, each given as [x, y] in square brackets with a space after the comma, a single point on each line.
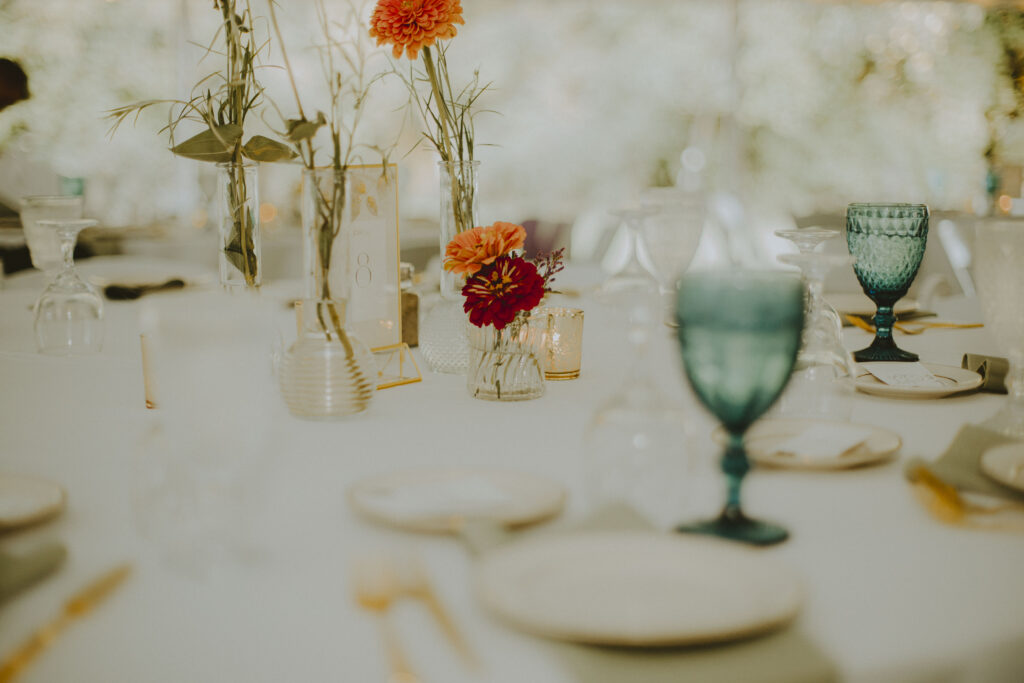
[563, 340]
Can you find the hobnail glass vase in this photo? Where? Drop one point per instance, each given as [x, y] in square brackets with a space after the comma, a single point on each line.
[241, 264]
[503, 364]
[327, 373]
[443, 333]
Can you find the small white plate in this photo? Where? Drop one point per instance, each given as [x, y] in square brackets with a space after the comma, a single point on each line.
[954, 381]
[1005, 464]
[28, 500]
[857, 303]
[638, 589]
[441, 500]
[764, 436]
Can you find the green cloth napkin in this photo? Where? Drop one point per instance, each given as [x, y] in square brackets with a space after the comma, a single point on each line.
[786, 656]
[992, 369]
[958, 466]
[20, 571]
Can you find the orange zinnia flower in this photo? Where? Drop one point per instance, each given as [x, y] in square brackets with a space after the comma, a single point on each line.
[471, 250]
[412, 24]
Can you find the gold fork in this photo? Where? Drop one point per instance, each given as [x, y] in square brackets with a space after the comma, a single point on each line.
[376, 588]
[947, 505]
[416, 584]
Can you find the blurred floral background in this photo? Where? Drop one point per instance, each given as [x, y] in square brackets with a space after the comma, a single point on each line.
[595, 100]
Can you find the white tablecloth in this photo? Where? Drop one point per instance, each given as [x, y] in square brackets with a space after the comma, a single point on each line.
[892, 595]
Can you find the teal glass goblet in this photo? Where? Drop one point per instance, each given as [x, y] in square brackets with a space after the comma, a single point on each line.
[739, 333]
[888, 241]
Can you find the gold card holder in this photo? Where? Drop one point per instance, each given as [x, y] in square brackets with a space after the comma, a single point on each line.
[396, 366]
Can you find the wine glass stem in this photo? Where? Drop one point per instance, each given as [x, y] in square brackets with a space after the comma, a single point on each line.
[67, 247]
[884, 319]
[735, 465]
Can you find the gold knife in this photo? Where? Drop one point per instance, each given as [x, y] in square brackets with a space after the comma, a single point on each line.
[80, 604]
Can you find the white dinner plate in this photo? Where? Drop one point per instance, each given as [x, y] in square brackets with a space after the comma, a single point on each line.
[28, 500]
[858, 303]
[765, 435]
[954, 381]
[638, 589]
[441, 500]
[1005, 464]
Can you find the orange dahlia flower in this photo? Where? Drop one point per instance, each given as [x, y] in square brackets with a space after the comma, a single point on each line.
[413, 24]
[471, 250]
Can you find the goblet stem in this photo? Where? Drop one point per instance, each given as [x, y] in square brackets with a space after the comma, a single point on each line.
[884, 348]
[68, 237]
[735, 465]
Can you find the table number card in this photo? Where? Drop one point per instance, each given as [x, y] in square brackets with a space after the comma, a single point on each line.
[375, 304]
[902, 374]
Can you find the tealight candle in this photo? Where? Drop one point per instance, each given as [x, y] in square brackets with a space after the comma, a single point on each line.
[563, 340]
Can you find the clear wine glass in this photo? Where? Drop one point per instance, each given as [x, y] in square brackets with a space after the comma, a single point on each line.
[823, 382]
[632, 278]
[69, 312]
[670, 237]
[739, 333]
[1000, 276]
[888, 241]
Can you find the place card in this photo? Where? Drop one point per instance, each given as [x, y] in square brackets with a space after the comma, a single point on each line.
[824, 442]
[903, 374]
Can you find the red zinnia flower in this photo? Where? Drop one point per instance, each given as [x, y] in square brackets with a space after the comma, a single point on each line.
[498, 291]
[413, 24]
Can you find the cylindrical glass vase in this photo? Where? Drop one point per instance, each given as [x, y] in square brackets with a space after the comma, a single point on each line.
[442, 336]
[327, 373]
[504, 364]
[241, 264]
[325, 239]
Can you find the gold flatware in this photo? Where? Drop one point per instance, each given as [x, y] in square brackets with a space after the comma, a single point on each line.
[80, 604]
[916, 327]
[947, 505]
[416, 583]
[376, 587]
[857, 321]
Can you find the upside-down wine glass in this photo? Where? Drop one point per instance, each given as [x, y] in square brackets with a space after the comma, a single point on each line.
[69, 312]
[1000, 277]
[888, 241]
[632, 278]
[670, 237]
[739, 332]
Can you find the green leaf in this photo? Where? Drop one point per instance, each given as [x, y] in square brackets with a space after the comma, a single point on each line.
[260, 148]
[301, 129]
[213, 144]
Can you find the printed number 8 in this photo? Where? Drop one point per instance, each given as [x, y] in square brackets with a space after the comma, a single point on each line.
[364, 275]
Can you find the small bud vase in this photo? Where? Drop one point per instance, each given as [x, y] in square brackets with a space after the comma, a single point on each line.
[504, 364]
[241, 265]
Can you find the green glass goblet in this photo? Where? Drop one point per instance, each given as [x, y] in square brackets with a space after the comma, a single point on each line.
[739, 333]
[888, 241]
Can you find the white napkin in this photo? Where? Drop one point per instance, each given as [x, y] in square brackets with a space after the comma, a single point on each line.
[824, 442]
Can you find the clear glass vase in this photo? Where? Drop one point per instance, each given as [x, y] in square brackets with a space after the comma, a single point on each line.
[503, 364]
[240, 250]
[442, 337]
[327, 373]
[325, 242]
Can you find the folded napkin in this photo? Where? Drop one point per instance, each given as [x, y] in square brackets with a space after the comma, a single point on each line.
[785, 656]
[20, 571]
[992, 369]
[959, 468]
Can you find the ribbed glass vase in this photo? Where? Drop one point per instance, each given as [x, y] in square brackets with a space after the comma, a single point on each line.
[327, 373]
[443, 333]
[504, 364]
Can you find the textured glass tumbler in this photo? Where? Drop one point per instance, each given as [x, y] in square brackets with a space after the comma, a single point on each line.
[888, 241]
[739, 333]
[503, 364]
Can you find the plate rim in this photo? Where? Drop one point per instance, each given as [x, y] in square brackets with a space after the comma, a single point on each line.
[452, 525]
[832, 464]
[593, 637]
[42, 514]
[994, 474]
[880, 388]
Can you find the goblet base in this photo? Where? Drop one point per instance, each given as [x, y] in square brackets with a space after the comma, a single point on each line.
[874, 354]
[738, 528]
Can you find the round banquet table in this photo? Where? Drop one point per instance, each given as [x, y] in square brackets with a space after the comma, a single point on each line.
[891, 594]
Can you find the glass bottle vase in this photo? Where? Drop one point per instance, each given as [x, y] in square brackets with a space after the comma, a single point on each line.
[442, 337]
[503, 364]
[326, 373]
[241, 264]
[325, 239]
